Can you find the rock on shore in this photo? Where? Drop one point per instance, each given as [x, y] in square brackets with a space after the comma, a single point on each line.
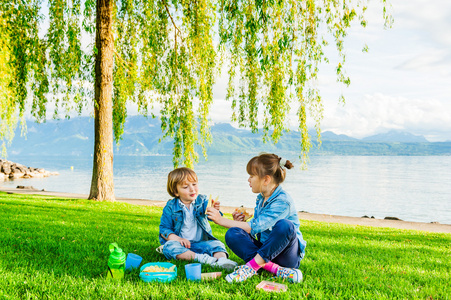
[11, 170]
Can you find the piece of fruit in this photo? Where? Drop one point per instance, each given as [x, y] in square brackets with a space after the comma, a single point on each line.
[211, 202]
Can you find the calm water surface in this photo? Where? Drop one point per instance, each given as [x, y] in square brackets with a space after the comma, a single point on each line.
[410, 188]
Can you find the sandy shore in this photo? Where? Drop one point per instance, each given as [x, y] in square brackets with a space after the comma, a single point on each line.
[431, 227]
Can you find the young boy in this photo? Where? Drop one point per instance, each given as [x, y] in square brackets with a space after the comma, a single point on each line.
[185, 232]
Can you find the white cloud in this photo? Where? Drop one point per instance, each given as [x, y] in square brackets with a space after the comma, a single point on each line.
[404, 80]
[221, 111]
[378, 113]
[432, 61]
[431, 19]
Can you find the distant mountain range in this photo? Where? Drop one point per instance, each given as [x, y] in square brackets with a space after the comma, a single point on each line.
[141, 137]
[396, 136]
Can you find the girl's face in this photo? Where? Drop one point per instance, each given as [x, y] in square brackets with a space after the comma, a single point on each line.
[187, 191]
[256, 183]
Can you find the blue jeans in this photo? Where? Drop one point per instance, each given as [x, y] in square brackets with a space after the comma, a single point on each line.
[281, 246]
[173, 248]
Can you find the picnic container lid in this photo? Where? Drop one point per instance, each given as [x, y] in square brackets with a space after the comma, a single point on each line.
[158, 276]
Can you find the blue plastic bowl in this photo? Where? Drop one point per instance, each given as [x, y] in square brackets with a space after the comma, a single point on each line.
[158, 276]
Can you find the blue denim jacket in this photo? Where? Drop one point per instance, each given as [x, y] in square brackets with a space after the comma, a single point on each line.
[173, 215]
[279, 206]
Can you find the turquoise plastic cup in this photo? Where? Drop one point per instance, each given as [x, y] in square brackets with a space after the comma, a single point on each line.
[133, 261]
[193, 271]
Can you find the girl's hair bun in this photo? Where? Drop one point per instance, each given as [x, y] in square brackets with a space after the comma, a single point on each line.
[284, 163]
[288, 164]
[269, 164]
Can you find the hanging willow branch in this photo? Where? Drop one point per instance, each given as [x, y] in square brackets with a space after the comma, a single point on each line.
[275, 48]
[172, 20]
[273, 51]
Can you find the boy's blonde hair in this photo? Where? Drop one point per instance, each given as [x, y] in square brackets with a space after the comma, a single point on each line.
[178, 176]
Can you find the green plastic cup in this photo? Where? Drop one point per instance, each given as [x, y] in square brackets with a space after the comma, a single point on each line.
[116, 262]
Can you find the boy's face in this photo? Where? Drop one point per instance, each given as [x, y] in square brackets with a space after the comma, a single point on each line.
[187, 191]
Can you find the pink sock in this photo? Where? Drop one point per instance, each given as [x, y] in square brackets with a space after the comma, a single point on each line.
[271, 267]
[253, 264]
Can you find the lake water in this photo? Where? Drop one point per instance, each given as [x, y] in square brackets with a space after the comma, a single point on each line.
[408, 187]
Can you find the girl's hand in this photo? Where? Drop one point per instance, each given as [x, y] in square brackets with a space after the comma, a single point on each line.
[213, 214]
[185, 243]
[237, 216]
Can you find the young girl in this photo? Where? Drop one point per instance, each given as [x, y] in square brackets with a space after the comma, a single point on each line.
[185, 232]
[271, 240]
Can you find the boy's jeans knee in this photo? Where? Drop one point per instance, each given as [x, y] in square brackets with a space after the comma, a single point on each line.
[173, 248]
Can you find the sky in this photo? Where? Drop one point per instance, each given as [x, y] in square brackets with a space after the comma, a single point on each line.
[403, 82]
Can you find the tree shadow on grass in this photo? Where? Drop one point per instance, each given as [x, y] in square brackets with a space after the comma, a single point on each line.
[74, 240]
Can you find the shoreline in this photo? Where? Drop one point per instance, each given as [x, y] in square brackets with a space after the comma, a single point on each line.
[356, 221]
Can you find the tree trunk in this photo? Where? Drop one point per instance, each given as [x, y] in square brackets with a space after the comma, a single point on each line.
[102, 185]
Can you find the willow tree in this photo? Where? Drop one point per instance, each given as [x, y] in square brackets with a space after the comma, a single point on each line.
[8, 119]
[166, 54]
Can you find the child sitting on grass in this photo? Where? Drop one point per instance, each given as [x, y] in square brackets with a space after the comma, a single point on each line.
[185, 232]
[271, 240]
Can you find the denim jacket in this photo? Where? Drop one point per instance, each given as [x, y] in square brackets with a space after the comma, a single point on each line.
[173, 215]
[279, 206]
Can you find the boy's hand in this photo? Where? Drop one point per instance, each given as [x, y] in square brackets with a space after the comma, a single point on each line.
[185, 243]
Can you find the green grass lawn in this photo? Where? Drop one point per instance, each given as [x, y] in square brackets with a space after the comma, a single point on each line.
[55, 248]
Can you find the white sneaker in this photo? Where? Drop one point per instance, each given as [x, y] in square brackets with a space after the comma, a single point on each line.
[225, 263]
[160, 249]
[205, 259]
[240, 274]
[290, 274]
